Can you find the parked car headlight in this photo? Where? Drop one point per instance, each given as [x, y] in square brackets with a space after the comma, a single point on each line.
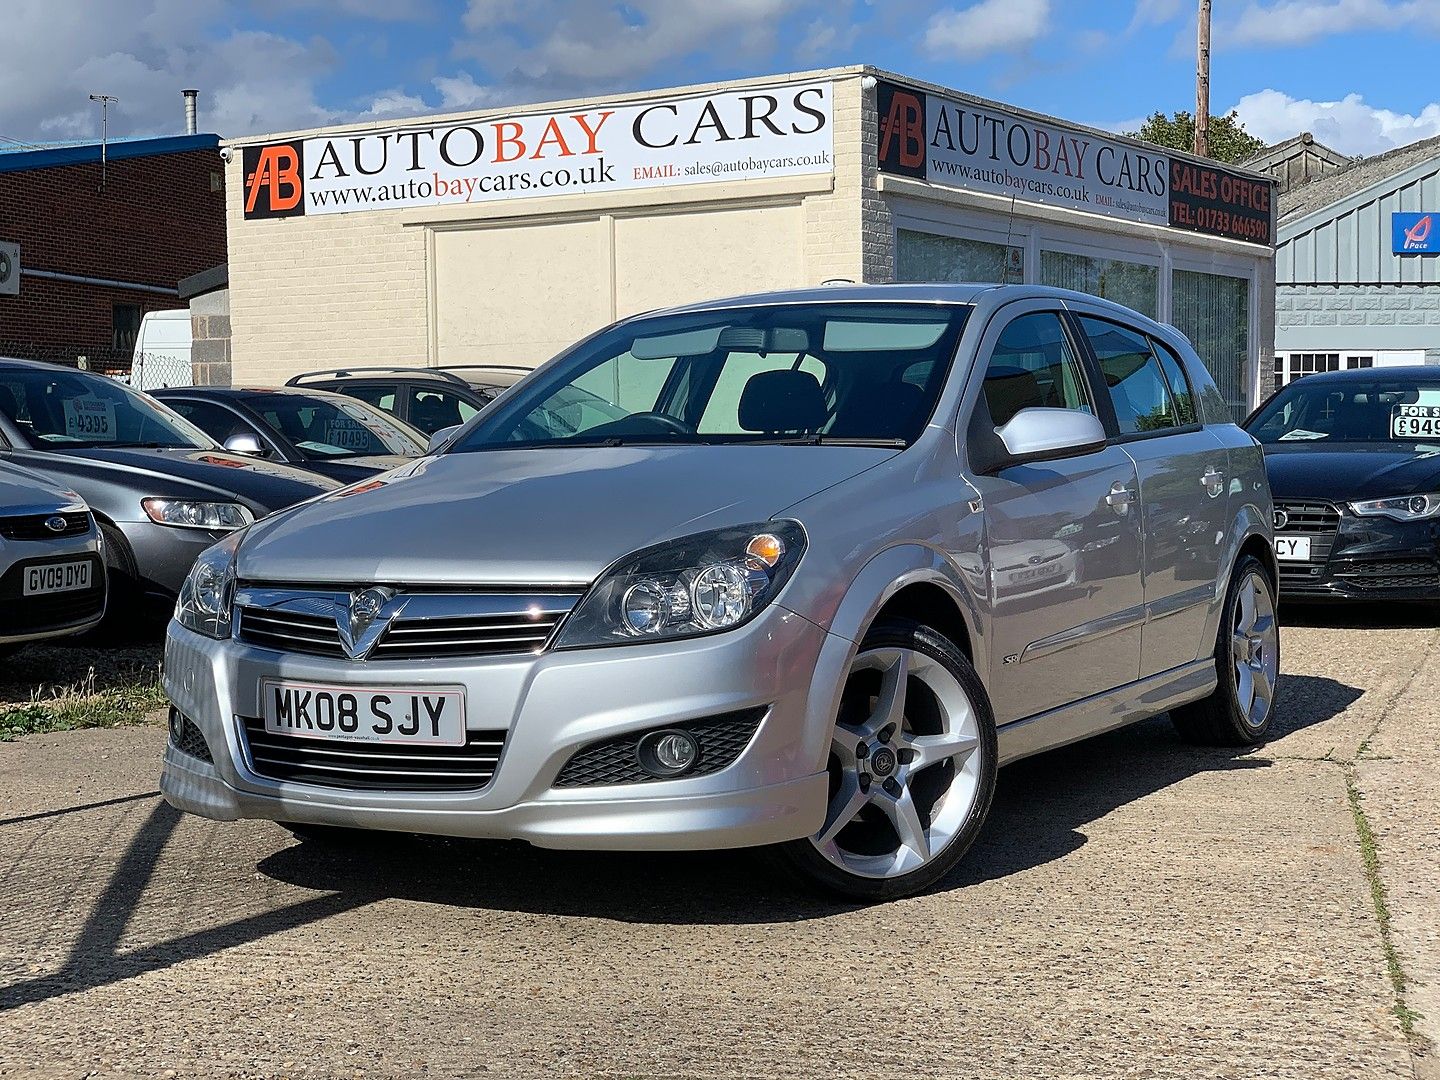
[190, 514]
[209, 588]
[1401, 508]
[696, 585]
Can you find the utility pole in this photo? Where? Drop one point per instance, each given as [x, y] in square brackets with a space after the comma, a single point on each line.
[1202, 82]
[105, 101]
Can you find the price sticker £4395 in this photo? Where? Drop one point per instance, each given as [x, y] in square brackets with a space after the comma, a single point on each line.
[91, 419]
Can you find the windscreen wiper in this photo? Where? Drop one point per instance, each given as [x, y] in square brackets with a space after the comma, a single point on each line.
[835, 440]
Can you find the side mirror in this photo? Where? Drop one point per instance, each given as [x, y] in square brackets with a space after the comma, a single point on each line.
[243, 442]
[440, 437]
[1043, 434]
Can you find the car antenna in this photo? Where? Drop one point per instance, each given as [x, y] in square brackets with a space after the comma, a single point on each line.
[1009, 232]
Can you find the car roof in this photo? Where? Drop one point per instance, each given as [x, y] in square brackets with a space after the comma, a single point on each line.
[240, 393]
[1410, 373]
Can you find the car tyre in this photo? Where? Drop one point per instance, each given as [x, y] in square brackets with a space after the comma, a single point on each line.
[1247, 658]
[912, 769]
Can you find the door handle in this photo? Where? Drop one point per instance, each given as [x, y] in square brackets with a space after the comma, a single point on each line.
[1120, 497]
[1214, 481]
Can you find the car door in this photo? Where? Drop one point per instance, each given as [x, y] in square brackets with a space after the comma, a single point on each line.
[1062, 536]
[1184, 508]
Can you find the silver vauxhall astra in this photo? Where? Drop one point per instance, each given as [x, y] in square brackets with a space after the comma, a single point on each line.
[798, 570]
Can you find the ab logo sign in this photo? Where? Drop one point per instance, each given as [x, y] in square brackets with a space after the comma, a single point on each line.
[274, 180]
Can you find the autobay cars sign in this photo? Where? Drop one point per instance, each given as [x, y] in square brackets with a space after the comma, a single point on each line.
[744, 134]
[971, 145]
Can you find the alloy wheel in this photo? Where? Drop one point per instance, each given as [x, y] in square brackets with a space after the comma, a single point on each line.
[1255, 649]
[906, 762]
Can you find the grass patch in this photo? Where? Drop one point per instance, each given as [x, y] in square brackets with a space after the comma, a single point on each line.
[1370, 856]
[84, 705]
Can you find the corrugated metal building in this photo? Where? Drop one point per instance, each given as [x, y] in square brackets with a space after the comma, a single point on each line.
[1351, 290]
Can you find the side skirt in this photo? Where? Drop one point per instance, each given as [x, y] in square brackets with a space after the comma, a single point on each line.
[1105, 712]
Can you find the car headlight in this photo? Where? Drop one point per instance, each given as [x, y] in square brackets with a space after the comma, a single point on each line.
[1401, 508]
[190, 514]
[696, 585]
[209, 588]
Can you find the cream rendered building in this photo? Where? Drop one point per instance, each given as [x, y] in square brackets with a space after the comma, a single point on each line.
[503, 236]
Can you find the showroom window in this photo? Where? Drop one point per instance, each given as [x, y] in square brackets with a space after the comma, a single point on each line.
[1213, 311]
[1135, 285]
[927, 257]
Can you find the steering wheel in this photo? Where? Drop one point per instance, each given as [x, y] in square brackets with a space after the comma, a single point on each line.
[663, 420]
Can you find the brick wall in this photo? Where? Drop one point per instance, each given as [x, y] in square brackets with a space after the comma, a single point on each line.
[1329, 318]
[157, 221]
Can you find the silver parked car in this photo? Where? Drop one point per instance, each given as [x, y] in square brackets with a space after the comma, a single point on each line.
[52, 571]
[827, 561]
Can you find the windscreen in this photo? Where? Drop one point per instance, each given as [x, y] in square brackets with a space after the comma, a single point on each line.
[61, 409]
[1378, 411]
[322, 427]
[803, 373]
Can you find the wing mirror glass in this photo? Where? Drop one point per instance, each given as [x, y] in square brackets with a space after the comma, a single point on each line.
[243, 442]
[1042, 434]
[440, 438]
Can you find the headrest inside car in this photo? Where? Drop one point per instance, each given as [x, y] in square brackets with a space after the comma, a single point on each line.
[787, 400]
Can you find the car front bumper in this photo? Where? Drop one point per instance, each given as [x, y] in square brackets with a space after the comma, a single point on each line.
[550, 706]
[163, 555]
[1367, 559]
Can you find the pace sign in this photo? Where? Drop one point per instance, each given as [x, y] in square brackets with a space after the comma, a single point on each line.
[1414, 234]
[765, 131]
[973, 145]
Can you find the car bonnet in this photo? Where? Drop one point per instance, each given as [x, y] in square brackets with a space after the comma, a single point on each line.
[532, 517]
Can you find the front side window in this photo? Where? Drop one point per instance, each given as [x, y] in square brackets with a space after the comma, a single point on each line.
[215, 420]
[1137, 385]
[1033, 367]
[432, 409]
[867, 373]
[61, 409]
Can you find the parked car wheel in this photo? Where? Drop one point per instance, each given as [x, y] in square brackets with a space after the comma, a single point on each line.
[912, 768]
[1247, 655]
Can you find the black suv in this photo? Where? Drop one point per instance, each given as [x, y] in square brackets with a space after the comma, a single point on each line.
[426, 398]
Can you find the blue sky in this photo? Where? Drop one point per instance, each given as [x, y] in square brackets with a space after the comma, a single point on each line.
[1349, 70]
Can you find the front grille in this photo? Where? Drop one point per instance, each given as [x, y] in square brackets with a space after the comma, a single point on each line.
[290, 631]
[373, 766]
[616, 761]
[21, 614]
[1390, 574]
[186, 737]
[426, 626]
[33, 527]
[1318, 520]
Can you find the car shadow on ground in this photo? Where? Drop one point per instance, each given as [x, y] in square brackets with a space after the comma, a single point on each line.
[1041, 809]
[1361, 616]
[1042, 806]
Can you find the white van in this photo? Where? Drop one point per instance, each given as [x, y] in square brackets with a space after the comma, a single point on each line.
[162, 351]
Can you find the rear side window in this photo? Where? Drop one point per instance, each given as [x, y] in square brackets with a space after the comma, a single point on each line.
[433, 409]
[1033, 367]
[1180, 387]
[382, 397]
[1133, 376]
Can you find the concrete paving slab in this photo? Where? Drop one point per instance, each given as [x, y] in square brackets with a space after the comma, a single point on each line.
[1135, 908]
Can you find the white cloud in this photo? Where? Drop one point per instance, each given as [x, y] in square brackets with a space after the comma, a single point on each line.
[459, 92]
[563, 47]
[1154, 12]
[1300, 22]
[987, 27]
[1350, 125]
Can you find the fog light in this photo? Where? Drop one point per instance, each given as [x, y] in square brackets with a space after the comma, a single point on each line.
[668, 753]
